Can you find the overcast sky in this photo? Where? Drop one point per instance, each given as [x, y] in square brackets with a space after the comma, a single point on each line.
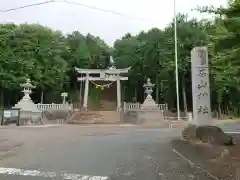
[141, 15]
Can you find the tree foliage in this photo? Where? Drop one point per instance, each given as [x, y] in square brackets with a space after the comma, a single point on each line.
[46, 57]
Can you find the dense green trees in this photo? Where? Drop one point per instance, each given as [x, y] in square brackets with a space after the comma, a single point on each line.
[48, 58]
[152, 53]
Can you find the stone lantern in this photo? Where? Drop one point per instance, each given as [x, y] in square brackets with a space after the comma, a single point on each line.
[149, 103]
[27, 89]
[28, 109]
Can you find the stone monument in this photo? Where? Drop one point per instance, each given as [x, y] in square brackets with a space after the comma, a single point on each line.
[202, 115]
[149, 103]
[202, 126]
[27, 108]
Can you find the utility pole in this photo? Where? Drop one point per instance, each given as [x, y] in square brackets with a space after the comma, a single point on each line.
[176, 59]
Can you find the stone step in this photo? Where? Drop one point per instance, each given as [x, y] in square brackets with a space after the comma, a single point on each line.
[104, 105]
[95, 117]
[108, 105]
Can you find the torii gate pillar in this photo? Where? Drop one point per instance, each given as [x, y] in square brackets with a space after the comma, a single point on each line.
[86, 90]
[118, 93]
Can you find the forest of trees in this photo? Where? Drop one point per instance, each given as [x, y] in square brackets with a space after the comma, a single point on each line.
[48, 58]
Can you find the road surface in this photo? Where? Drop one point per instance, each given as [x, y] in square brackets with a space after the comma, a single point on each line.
[91, 153]
[234, 128]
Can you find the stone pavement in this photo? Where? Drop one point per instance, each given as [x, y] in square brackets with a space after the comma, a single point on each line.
[94, 153]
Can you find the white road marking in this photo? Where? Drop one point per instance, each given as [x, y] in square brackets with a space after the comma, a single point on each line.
[127, 125]
[84, 126]
[37, 173]
[232, 132]
[41, 126]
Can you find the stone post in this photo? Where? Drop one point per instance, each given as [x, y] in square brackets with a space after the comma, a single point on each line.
[118, 93]
[64, 95]
[85, 100]
[200, 87]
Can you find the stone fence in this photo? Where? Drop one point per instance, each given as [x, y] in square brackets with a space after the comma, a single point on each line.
[135, 110]
[44, 107]
[138, 107]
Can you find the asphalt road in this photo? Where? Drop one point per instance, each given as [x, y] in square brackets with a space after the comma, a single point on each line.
[231, 128]
[92, 153]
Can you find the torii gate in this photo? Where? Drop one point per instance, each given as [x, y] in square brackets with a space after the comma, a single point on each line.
[104, 75]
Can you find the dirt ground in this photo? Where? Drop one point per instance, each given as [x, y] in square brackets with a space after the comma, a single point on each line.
[221, 162]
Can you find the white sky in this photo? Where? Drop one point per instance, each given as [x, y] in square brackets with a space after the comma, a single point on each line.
[67, 17]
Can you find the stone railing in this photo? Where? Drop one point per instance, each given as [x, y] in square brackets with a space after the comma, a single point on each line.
[163, 107]
[44, 107]
[138, 107]
[131, 106]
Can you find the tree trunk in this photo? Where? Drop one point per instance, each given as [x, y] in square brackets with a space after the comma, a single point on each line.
[184, 97]
[227, 110]
[2, 99]
[135, 93]
[219, 110]
[157, 91]
[235, 111]
[219, 105]
[42, 97]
